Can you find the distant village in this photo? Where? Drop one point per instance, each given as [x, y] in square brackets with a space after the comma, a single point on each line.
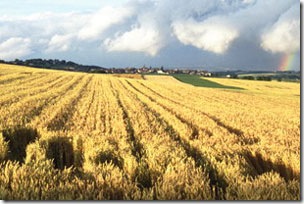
[240, 74]
[72, 66]
[150, 70]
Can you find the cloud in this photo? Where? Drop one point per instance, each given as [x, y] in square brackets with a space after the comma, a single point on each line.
[103, 19]
[284, 35]
[39, 26]
[211, 35]
[248, 1]
[14, 48]
[141, 39]
[60, 43]
[151, 30]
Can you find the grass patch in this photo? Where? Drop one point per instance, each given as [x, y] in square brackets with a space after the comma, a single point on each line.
[198, 81]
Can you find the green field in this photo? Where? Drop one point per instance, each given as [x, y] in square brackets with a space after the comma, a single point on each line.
[288, 77]
[201, 82]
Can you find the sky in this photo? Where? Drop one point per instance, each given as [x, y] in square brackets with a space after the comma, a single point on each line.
[207, 34]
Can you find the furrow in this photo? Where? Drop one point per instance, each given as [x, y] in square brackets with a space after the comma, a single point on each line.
[39, 88]
[80, 119]
[68, 107]
[24, 82]
[218, 122]
[53, 106]
[200, 161]
[30, 107]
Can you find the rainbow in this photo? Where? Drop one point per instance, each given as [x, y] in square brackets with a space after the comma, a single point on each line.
[287, 62]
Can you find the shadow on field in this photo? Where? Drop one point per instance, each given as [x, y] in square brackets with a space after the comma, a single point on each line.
[18, 138]
[109, 157]
[60, 150]
[261, 165]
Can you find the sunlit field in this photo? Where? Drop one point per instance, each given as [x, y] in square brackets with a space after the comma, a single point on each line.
[68, 135]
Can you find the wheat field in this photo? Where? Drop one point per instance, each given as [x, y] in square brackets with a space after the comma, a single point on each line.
[66, 136]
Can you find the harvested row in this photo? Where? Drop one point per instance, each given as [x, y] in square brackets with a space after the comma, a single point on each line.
[10, 78]
[24, 82]
[29, 107]
[61, 95]
[206, 128]
[41, 86]
[229, 160]
[67, 106]
[113, 130]
[103, 147]
[86, 107]
[161, 155]
[256, 127]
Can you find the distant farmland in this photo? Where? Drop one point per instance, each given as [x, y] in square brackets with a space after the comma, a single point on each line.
[66, 135]
[201, 82]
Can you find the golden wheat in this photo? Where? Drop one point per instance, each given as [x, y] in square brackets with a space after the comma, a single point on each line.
[83, 136]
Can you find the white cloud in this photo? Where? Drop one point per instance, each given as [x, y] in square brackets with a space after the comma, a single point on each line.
[147, 26]
[60, 43]
[14, 48]
[140, 39]
[210, 35]
[102, 20]
[208, 25]
[284, 35]
[147, 33]
[248, 1]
